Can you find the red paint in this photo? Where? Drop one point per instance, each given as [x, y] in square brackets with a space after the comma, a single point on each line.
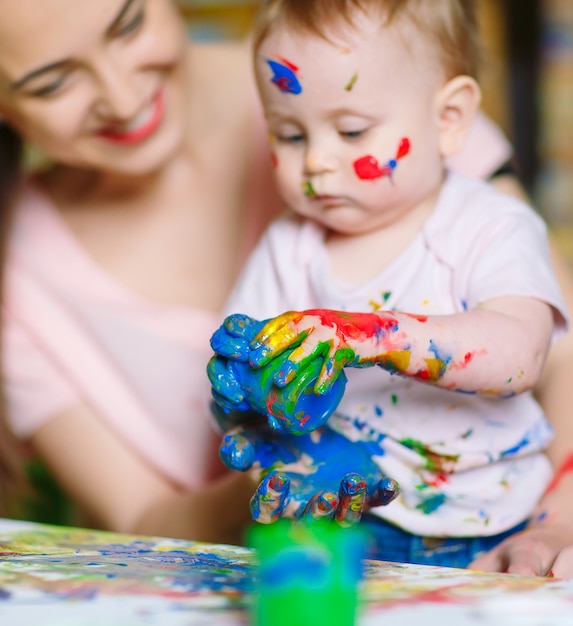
[419, 318]
[276, 482]
[356, 325]
[367, 168]
[283, 83]
[274, 160]
[439, 480]
[290, 65]
[468, 356]
[565, 468]
[403, 148]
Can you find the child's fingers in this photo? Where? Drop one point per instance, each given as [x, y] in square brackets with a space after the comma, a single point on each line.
[270, 498]
[320, 508]
[229, 346]
[274, 326]
[276, 336]
[236, 451]
[243, 326]
[296, 362]
[386, 490]
[224, 382]
[328, 374]
[352, 499]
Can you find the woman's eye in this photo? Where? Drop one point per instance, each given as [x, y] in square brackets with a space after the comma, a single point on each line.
[132, 25]
[50, 88]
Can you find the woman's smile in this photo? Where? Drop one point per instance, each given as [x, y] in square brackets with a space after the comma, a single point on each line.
[140, 127]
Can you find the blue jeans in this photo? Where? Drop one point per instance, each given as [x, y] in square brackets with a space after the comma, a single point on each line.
[390, 543]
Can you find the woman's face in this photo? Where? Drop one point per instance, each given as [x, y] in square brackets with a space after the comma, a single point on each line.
[95, 84]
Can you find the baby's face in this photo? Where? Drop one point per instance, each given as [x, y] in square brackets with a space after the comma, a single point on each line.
[353, 123]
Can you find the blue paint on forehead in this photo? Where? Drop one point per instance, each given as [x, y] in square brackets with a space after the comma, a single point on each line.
[284, 78]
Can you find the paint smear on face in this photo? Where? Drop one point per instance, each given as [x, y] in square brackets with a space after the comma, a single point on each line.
[368, 168]
[350, 83]
[284, 76]
[308, 189]
[274, 160]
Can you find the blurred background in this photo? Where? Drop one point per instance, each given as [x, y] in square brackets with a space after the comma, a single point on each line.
[527, 82]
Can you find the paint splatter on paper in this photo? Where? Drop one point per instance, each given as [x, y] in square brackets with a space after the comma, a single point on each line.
[53, 575]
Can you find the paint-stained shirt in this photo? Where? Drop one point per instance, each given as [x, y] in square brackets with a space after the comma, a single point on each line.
[468, 465]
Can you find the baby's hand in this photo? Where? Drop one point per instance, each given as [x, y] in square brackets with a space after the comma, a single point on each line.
[337, 338]
[233, 338]
[230, 342]
[321, 475]
[238, 386]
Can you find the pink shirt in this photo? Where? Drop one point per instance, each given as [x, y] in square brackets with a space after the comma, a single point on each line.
[74, 335]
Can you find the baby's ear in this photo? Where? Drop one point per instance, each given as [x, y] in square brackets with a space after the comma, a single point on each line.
[456, 105]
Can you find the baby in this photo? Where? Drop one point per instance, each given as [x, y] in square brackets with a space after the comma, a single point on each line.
[385, 258]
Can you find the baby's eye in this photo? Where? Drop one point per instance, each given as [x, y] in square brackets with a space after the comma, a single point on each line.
[293, 138]
[352, 134]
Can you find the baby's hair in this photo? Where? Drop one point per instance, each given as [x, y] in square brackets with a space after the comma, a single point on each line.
[449, 25]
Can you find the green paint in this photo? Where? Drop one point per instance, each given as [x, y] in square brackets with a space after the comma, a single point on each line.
[350, 83]
[308, 189]
[432, 503]
[307, 574]
[394, 398]
[434, 462]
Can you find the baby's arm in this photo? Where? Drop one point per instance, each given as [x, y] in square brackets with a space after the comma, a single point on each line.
[498, 348]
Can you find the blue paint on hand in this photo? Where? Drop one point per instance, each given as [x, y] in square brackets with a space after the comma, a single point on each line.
[238, 386]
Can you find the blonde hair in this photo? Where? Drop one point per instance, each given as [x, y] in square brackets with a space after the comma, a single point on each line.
[448, 25]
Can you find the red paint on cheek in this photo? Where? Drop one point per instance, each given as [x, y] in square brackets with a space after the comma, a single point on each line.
[565, 468]
[403, 148]
[368, 168]
[274, 160]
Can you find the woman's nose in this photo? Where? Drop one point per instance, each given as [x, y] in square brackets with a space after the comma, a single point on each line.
[119, 97]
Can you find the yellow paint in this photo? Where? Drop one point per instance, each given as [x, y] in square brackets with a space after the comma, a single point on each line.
[436, 368]
[396, 359]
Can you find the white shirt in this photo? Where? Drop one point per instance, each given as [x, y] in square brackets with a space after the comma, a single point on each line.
[467, 465]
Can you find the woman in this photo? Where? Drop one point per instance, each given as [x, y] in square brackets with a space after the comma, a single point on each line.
[123, 252]
[128, 246]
